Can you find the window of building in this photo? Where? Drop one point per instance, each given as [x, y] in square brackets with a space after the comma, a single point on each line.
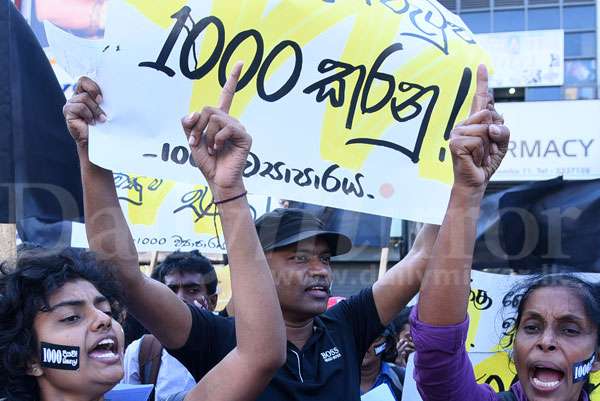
[537, 93]
[580, 72]
[580, 44]
[576, 17]
[478, 22]
[579, 17]
[509, 20]
[543, 18]
[580, 92]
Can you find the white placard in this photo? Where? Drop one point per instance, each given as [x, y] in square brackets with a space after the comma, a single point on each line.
[337, 120]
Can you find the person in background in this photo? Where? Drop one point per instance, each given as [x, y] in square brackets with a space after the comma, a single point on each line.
[377, 366]
[193, 279]
[191, 276]
[405, 345]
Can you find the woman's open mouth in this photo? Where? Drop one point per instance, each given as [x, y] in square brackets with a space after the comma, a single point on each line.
[546, 378]
[106, 351]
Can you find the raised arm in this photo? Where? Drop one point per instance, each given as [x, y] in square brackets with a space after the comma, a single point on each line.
[478, 146]
[443, 370]
[401, 283]
[152, 303]
[220, 147]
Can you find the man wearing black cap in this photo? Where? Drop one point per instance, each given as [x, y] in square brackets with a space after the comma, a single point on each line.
[298, 251]
[325, 348]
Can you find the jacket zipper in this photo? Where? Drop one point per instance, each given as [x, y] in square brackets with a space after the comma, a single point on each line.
[299, 368]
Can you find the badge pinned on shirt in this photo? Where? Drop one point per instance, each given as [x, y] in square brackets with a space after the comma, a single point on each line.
[61, 357]
[581, 370]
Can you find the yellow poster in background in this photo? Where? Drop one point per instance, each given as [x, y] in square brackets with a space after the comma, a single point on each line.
[350, 103]
[223, 287]
[165, 215]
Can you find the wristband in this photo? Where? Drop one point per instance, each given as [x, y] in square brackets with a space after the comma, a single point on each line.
[231, 199]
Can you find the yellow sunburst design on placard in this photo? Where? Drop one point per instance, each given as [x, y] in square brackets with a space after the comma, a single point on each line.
[304, 21]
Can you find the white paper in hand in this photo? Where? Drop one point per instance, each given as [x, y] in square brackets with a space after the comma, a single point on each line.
[129, 392]
[379, 393]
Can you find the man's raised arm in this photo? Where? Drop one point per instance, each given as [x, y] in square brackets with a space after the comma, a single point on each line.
[220, 147]
[152, 303]
[401, 283]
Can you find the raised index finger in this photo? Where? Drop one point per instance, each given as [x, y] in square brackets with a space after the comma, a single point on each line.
[481, 98]
[229, 88]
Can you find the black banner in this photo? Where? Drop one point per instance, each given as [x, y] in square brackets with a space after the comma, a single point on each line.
[39, 173]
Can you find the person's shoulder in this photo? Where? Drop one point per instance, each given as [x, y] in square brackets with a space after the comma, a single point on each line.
[210, 327]
[133, 349]
[135, 343]
[345, 313]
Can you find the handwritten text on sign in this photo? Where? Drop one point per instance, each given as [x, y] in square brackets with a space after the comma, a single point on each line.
[350, 104]
[165, 215]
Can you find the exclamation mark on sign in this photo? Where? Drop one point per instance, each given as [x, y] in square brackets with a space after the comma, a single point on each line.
[461, 95]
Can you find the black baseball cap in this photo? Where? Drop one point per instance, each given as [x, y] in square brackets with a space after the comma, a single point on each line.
[283, 227]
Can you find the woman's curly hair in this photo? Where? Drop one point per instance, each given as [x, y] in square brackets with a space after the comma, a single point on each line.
[24, 291]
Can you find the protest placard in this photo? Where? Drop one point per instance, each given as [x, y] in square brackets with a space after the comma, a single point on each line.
[166, 215]
[350, 103]
[492, 312]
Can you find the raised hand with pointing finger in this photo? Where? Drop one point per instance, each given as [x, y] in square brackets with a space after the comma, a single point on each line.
[479, 143]
[220, 143]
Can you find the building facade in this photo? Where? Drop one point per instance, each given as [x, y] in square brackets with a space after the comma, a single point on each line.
[579, 20]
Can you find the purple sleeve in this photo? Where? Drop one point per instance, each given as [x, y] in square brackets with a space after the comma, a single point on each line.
[443, 370]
